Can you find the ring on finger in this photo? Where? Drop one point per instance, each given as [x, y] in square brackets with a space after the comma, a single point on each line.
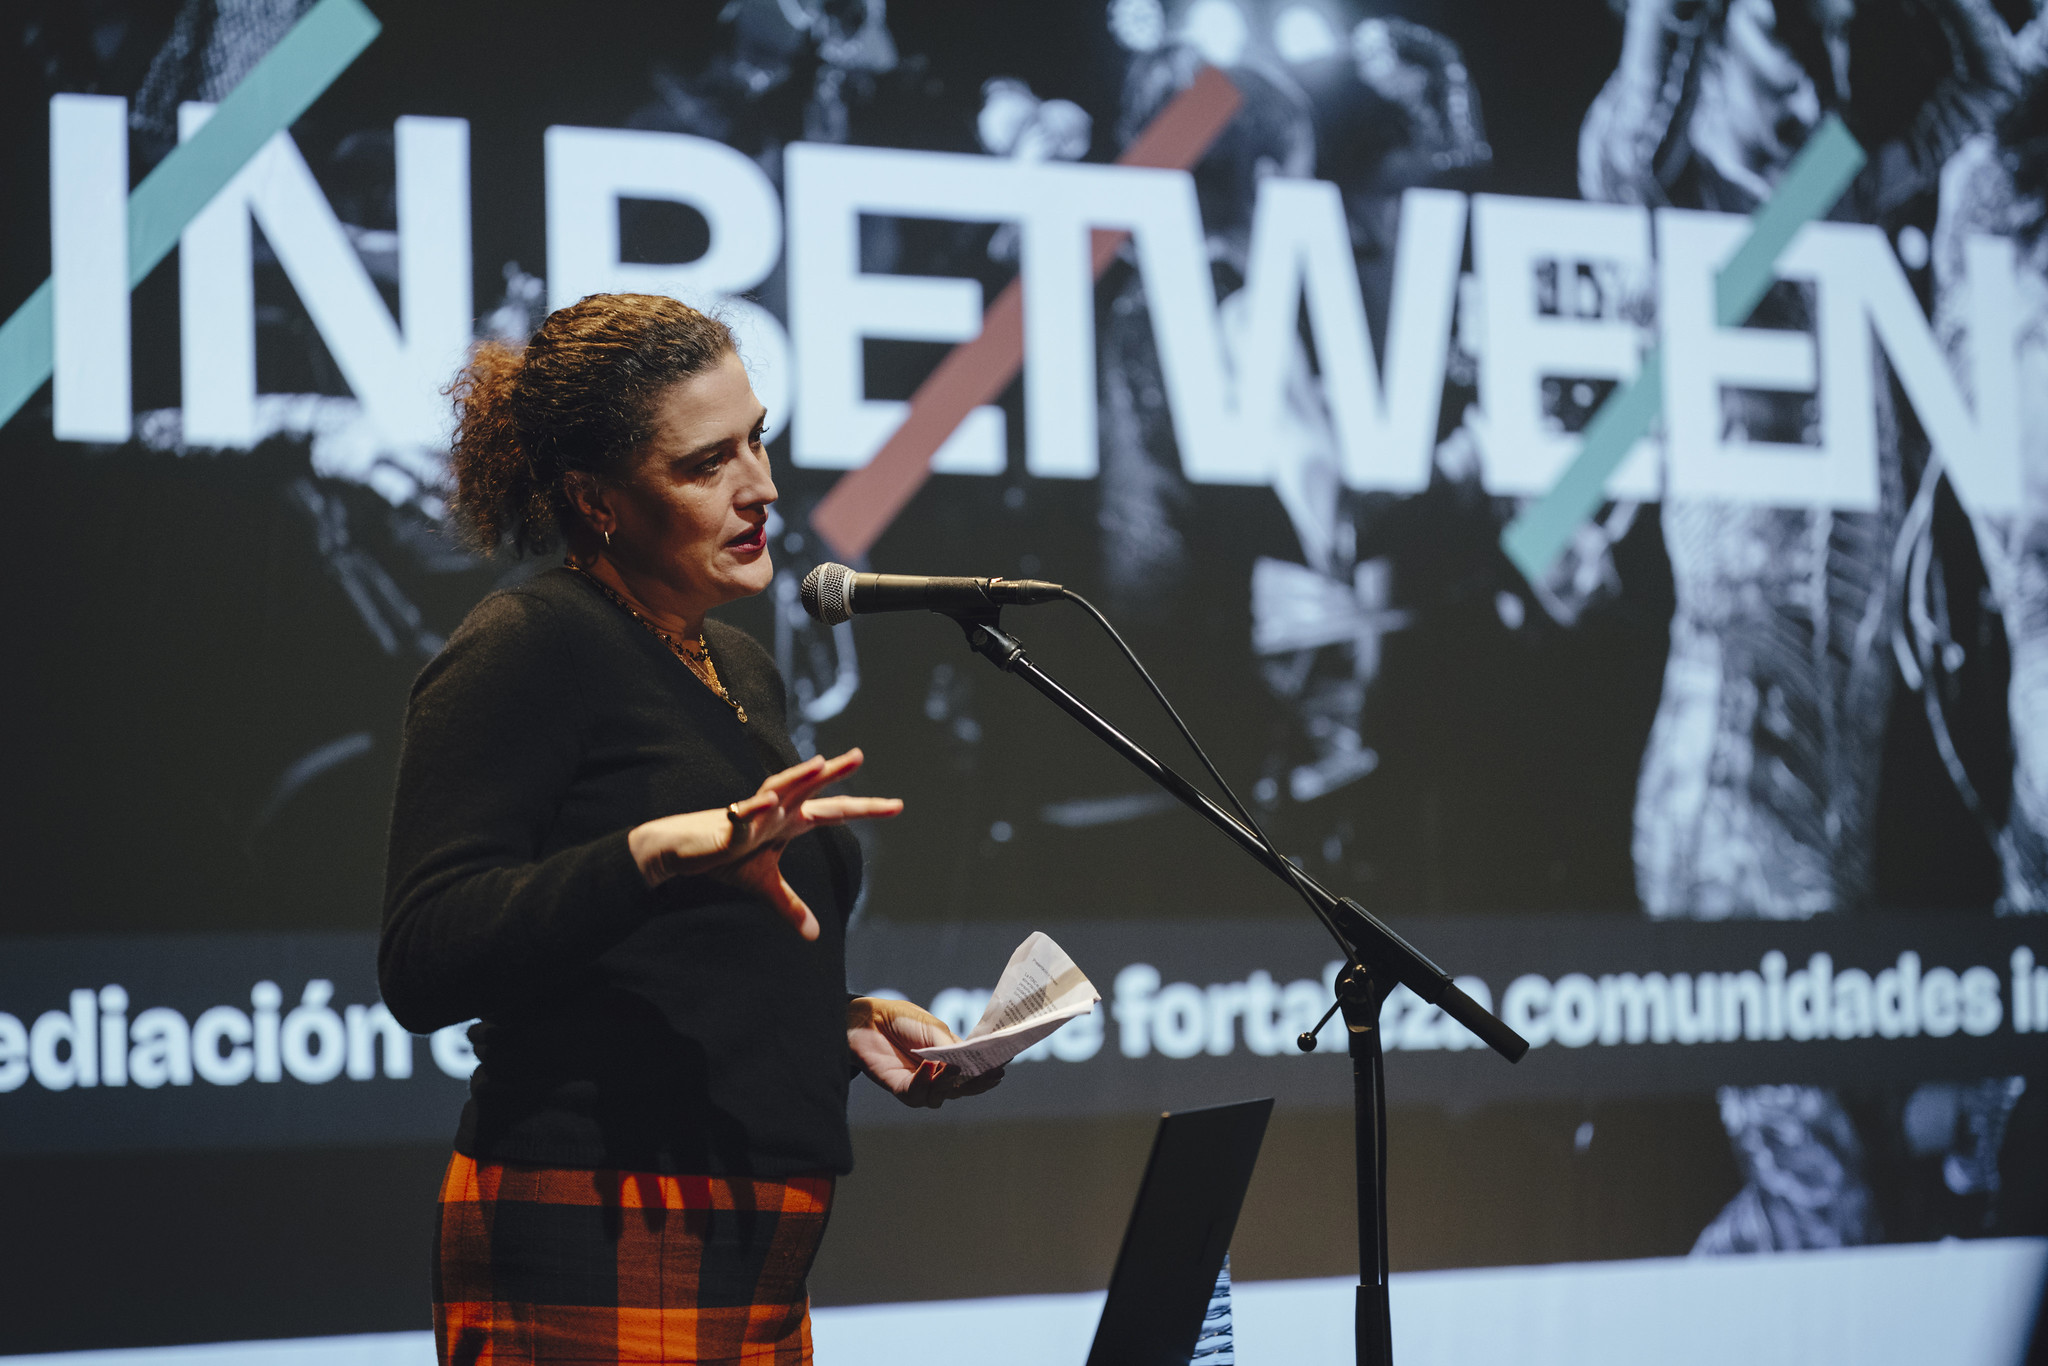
[738, 817]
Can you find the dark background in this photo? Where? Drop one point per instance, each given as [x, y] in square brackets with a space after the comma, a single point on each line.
[179, 640]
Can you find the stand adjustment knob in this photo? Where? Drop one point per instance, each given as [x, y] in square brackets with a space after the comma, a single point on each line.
[1306, 1040]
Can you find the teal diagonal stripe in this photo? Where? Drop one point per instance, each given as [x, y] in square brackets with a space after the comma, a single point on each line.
[1535, 539]
[25, 342]
[1813, 182]
[269, 99]
[1811, 185]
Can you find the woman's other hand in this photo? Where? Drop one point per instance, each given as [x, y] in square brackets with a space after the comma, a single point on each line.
[742, 844]
[882, 1032]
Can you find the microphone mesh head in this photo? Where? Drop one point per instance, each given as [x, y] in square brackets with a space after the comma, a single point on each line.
[828, 593]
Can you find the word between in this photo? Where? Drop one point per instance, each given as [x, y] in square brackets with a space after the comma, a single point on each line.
[1556, 297]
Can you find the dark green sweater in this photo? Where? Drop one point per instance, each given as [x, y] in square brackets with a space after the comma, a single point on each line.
[682, 1029]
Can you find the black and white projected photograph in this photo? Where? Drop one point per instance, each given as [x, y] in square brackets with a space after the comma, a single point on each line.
[767, 681]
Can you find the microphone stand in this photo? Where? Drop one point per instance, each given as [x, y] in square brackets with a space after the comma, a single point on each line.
[1377, 959]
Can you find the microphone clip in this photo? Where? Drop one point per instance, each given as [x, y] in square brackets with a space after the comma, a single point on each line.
[985, 636]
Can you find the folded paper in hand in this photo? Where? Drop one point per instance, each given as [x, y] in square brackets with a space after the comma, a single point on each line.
[1039, 991]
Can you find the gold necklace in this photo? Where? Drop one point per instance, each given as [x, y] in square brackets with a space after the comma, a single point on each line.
[695, 655]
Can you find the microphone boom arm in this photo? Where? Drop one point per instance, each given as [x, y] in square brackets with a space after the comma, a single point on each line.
[1366, 940]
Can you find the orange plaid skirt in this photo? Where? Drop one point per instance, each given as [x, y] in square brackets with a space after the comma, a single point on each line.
[548, 1265]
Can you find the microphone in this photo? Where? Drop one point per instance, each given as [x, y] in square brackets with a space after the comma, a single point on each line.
[833, 593]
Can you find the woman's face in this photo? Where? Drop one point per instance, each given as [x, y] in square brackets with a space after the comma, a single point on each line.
[693, 510]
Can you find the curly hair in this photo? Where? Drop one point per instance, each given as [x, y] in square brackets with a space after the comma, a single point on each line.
[579, 396]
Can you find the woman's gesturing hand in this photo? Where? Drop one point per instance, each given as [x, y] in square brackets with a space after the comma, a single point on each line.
[742, 844]
[882, 1032]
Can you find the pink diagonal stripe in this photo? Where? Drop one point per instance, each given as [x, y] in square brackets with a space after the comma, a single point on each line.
[864, 501]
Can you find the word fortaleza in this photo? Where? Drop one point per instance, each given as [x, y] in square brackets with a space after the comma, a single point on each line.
[95, 1043]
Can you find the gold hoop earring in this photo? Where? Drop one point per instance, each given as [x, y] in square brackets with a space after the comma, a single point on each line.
[607, 540]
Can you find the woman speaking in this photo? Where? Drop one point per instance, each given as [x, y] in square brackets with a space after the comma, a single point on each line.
[604, 850]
